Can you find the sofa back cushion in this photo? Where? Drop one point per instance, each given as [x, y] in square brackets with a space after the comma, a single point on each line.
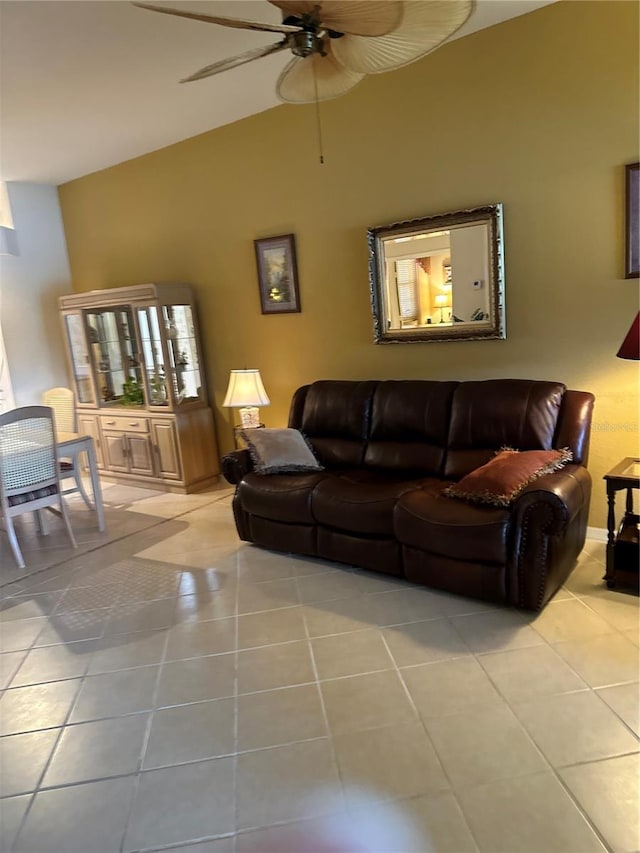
[405, 424]
[335, 416]
[409, 426]
[488, 415]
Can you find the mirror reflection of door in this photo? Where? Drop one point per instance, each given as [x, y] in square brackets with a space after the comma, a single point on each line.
[470, 272]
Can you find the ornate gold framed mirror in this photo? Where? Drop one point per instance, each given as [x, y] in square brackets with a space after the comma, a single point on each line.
[439, 278]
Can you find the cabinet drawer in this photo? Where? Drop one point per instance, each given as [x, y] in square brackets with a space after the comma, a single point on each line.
[126, 424]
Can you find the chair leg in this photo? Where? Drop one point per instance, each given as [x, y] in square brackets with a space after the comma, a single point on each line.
[77, 476]
[81, 489]
[65, 516]
[41, 522]
[13, 541]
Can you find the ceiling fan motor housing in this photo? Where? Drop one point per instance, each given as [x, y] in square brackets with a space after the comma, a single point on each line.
[305, 43]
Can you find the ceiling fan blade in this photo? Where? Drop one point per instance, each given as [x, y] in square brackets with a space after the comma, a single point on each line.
[225, 22]
[297, 82]
[360, 17]
[232, 61]
[424, 26]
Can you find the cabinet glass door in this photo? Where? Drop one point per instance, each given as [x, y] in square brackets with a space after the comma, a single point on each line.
[115, 356]
[153, 356]
[184, 367]
[79, 352]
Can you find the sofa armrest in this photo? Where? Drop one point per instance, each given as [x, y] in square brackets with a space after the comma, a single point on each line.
[549, 526]
[235, 465]
[564, 492]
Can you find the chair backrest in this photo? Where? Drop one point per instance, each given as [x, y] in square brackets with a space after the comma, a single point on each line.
[62, 401]
[28, 456]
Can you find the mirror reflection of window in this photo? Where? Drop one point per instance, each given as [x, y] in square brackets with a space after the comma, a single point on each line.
[406, 288]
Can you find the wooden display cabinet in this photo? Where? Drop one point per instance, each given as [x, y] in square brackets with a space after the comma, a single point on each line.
[135, 362]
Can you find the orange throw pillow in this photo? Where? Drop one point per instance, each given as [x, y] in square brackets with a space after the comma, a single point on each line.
[502, 479]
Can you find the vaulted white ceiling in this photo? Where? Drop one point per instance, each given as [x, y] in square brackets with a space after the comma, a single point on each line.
[88, 84]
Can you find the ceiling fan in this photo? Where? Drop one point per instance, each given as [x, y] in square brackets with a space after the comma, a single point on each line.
[337, 42]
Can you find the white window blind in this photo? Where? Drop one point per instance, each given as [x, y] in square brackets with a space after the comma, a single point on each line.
[406, 286]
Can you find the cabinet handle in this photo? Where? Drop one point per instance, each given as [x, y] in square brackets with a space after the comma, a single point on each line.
[110, 423]
[134, 423]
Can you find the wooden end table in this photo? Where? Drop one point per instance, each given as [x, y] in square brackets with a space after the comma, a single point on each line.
[623, 551]
[237, 435]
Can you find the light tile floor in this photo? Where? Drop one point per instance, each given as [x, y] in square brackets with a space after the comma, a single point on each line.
[168, 687]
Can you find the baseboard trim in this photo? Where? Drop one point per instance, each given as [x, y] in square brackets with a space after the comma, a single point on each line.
[597, 534]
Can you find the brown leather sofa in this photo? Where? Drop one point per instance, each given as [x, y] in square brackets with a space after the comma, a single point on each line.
[390, 448]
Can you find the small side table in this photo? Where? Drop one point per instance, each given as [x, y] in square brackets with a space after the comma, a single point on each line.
[237, 435]
[623, 550]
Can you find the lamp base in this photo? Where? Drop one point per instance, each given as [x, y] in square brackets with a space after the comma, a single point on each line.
[250, 417]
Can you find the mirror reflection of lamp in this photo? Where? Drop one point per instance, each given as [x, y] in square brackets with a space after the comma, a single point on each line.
[442, 301]
[246, 392]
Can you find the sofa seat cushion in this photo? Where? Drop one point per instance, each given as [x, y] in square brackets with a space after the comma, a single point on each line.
[280, 497]
[360, 503]
[429, 521]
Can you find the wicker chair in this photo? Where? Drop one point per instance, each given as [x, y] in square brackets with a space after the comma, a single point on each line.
[29, 472]
[62, 401]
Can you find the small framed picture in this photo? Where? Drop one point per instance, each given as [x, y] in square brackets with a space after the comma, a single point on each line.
[278, 274]
[632, 224]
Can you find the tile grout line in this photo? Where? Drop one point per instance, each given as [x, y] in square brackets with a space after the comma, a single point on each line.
[323, 708]
[188, 763]
[547, 761]
[87, 675]
[45, 769]
[429, 739]
[145, 741]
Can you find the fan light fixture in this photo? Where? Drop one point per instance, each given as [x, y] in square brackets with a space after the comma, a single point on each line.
[246, 392]
[336, 43]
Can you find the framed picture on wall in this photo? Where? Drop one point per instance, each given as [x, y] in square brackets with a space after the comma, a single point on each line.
[278, 274]
[632, 224]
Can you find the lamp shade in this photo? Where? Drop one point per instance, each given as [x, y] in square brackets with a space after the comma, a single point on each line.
[246, 389]
[631, 344]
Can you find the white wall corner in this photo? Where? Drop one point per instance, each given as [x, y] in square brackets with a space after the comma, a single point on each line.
[31, 285]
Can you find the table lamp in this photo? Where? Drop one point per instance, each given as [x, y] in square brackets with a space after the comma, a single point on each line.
[442, 301]
[246, 392]
[631, 344]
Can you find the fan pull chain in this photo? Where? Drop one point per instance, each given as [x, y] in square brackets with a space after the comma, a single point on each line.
[315, 85]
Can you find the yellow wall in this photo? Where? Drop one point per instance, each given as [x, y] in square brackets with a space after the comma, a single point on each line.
[540, 113]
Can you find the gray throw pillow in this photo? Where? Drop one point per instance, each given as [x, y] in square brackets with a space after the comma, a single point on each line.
[279, 451]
